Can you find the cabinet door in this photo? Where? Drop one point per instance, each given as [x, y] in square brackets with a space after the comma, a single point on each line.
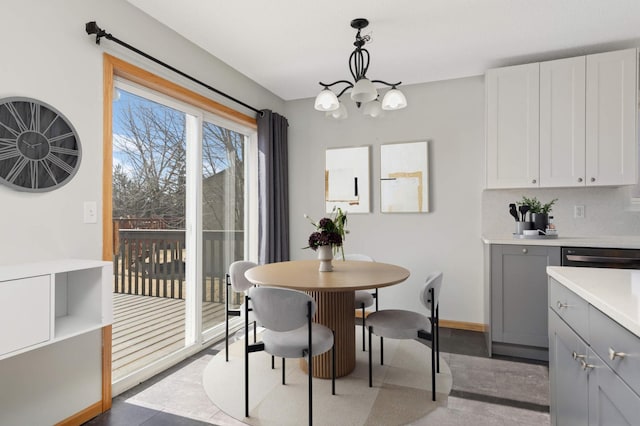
[519, 293]
[611, 401]
[562, 122]
[568, 382]
[611, 118]
[512, 126]
[25, 313]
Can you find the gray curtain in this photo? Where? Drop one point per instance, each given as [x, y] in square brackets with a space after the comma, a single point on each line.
[273, 188]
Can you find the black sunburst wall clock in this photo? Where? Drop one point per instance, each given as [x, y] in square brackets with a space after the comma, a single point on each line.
[39, 148]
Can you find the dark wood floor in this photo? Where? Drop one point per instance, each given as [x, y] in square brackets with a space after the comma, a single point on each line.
[147, 328]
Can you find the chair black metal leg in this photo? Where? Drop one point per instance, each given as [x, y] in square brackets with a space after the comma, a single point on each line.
[226, 336]
[370, 372]
[333, 364]
[246, 361]
[226, 320]
[381, 351]
[283, 370]
[310, 369]
[254, 331]
[363, 326]
[273, 362]
[433, 371]
[437, 330]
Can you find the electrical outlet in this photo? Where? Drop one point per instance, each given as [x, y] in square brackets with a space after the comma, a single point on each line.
[578, 212]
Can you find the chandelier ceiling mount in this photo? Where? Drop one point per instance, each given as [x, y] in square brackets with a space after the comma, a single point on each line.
[363, 90]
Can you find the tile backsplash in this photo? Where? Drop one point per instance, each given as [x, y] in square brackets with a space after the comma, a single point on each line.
[608, 210]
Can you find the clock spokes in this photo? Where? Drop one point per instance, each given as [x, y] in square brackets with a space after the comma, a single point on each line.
[16, 116]
[8, 142]
[62, 150]
[60, 163]
[13, 131]
[61, 137]
[9, 153]
[17, 168]
[47, 169]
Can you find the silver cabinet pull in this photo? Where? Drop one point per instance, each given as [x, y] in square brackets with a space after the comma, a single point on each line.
[561, 305]
[593, 179]
[613, 354]
[586, 367]
[533, 181]
[576, 356]
[580, 179]
[524, 250]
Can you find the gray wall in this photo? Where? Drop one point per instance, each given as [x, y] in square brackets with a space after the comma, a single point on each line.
[450, 115]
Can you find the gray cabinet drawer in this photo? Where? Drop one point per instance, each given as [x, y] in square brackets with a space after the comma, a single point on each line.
[610, 340]
[570, 307]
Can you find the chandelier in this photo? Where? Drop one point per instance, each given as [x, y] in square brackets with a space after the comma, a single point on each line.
[363, 90]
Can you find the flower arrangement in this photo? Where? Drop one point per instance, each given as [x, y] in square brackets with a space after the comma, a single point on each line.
[330, 231]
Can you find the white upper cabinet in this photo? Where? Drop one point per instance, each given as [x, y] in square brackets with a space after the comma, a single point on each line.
[512, 126]
[611, 118]
[586, 131]
[562, 129]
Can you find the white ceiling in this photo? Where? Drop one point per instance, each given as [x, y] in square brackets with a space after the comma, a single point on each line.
[288, 46]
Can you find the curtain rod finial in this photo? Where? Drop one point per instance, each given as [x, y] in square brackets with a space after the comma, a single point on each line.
[92, 27]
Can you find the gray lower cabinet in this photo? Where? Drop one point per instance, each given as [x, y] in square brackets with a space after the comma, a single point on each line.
[611, 401]
[584, 389]
[567, 380]
[519, 299]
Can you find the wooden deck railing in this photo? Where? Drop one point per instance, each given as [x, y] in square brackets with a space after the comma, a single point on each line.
[151, 262]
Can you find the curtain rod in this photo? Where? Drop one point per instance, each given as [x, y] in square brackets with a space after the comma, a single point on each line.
[93, 28]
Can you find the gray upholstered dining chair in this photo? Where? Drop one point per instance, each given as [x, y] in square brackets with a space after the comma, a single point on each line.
[236, 281]
[286, 316]
[363, 298]
[402, 324]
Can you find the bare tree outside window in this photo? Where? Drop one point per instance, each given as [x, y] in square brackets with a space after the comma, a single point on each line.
[223, 178]
[150, 167]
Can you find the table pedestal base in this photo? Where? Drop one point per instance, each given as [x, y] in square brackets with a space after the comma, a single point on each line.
[336, 311]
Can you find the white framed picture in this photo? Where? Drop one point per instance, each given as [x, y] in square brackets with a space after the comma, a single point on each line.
[404, 177]
[346, 179]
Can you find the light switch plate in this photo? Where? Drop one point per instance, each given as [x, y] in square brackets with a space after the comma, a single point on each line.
[90, 212]
[578, 212]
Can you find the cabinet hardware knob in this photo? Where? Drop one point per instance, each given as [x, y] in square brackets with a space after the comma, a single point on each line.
[586, 367]
[533, 181]
[593, 179]
[561, 305]
[579, 179]
[524, 250]
[575, 355]
[613, 354]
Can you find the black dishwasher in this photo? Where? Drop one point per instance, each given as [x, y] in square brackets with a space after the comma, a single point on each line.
[592, 257]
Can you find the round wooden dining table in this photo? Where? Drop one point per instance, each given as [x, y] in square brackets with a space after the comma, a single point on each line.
[334, 295]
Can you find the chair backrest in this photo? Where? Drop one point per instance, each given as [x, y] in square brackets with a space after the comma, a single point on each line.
[236, 274]
[280, 309]
[433, 281]
[356, 256]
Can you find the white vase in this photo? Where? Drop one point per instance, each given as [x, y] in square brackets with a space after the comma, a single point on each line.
[325, 255]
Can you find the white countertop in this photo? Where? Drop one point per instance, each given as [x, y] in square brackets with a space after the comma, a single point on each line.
[632, 242]
[615, 292]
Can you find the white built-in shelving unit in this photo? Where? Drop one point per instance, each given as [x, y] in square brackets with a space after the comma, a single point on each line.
[46, 302]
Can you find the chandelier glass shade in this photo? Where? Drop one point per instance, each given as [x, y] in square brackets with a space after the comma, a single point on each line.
[363, 90]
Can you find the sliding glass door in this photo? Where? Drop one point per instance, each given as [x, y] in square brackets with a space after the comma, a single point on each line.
[179, 189]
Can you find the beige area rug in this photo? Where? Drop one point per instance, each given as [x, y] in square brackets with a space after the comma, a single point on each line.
[401, 391]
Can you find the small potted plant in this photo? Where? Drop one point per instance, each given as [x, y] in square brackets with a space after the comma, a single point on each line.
[539, 212]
